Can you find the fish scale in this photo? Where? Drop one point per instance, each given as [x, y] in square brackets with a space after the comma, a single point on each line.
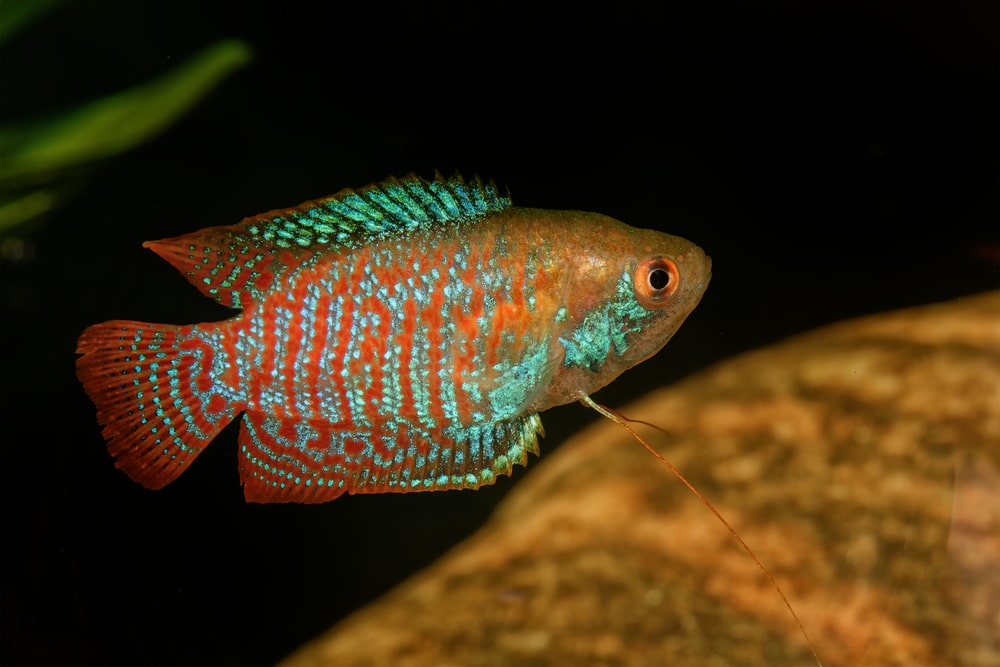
[401, 337]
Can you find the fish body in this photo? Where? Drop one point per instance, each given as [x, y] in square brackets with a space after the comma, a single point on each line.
[401, 337]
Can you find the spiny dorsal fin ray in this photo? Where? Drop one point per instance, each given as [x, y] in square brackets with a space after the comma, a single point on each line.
[232, 263]
[350, 218]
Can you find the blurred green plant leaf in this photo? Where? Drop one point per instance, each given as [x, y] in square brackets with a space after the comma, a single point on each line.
[18, 14]
[117, 122]
[34, 155]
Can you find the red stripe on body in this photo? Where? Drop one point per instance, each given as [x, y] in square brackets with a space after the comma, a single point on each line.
[518, 304]
[371, 355]
[269, 344]
[434, 321]
[345, 323]
[346, 319]
[216, 404]
[293, 345]
[264, 281]
[404, 340]
[314, 363]
[466, 318]
[376, 342]
[203, 381]
[511, 318]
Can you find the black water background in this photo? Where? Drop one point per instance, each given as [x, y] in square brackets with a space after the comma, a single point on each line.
[834, 160]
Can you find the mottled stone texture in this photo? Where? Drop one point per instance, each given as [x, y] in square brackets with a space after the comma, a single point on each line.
[861, 462]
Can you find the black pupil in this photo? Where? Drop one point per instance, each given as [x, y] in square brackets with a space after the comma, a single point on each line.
[658, 279]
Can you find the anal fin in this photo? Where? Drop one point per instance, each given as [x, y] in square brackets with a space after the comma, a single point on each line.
[288, 463]
[313, 463]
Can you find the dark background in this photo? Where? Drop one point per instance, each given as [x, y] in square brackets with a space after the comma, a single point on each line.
[834, 160]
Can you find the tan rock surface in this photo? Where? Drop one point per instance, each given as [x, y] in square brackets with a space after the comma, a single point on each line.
[861, 462]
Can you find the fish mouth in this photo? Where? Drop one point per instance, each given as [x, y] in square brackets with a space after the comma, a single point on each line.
[706, 276]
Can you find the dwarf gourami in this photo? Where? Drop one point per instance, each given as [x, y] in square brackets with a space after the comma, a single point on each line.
[399, 337]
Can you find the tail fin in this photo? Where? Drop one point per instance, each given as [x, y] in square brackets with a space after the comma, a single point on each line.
[155, 395]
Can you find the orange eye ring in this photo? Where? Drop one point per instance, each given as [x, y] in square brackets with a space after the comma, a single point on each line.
[656, 281]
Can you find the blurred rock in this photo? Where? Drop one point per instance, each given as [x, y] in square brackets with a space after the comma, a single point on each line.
[861, 463]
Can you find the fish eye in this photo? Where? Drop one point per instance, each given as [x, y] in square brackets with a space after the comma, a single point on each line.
[656, 280]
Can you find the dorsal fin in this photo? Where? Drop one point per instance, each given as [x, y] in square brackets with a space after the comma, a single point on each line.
[236, 262]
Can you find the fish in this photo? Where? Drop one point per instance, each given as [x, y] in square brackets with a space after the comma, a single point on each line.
[400, 337]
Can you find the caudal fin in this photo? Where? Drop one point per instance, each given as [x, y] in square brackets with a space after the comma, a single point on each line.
[154, 394]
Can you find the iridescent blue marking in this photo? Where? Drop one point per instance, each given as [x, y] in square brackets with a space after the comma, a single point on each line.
[193, 361]
[605, 328]
[360, 217]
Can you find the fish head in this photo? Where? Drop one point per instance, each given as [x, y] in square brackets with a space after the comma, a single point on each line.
[626, 292]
